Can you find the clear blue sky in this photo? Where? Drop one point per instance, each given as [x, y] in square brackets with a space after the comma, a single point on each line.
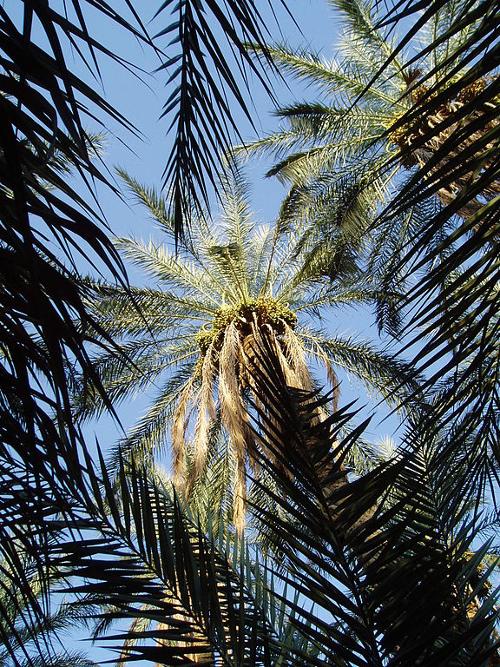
[145, 159]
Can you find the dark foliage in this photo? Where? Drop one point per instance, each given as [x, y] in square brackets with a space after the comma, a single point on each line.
[208, 77]
[387, 557]
[390, 558]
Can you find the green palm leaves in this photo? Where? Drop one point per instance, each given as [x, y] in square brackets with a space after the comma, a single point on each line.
[361, 127]
[191, 332]
[229, 334]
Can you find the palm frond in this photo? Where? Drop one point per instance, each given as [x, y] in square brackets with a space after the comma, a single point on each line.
[328, 76]
[126, 377]
[150, 434]
[151, 199]
[361, 18]
[205, 77]
[27, 638]
[169, 267]
[361, 548]
[137, 310]
[149, 554]
[46, 227]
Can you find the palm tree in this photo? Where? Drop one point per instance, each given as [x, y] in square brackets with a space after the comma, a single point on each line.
[38, 305]
[212, 299]
[365, 125]
[417, 128]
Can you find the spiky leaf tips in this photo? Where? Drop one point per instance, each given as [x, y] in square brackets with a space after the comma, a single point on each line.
[206, 88]
[391, 111]
[194, 338]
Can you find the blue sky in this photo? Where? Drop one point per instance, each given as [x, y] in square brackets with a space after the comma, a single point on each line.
[141, 102]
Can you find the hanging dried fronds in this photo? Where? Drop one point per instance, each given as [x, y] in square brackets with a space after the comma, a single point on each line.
[206, 414]
[179, 427]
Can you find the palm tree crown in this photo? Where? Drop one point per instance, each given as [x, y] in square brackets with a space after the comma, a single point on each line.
[360, 127]
[199, 325]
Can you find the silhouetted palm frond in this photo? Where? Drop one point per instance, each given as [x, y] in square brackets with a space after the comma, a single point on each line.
[191, 594]
[28, 643]
[391, 558]
[45, 225]
[208, 74]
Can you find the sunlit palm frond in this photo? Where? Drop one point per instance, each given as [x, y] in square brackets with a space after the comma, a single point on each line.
[150, 435]
[170, 268]
[363, 361]
[328, 76]
[123, 307]
[362, 20]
